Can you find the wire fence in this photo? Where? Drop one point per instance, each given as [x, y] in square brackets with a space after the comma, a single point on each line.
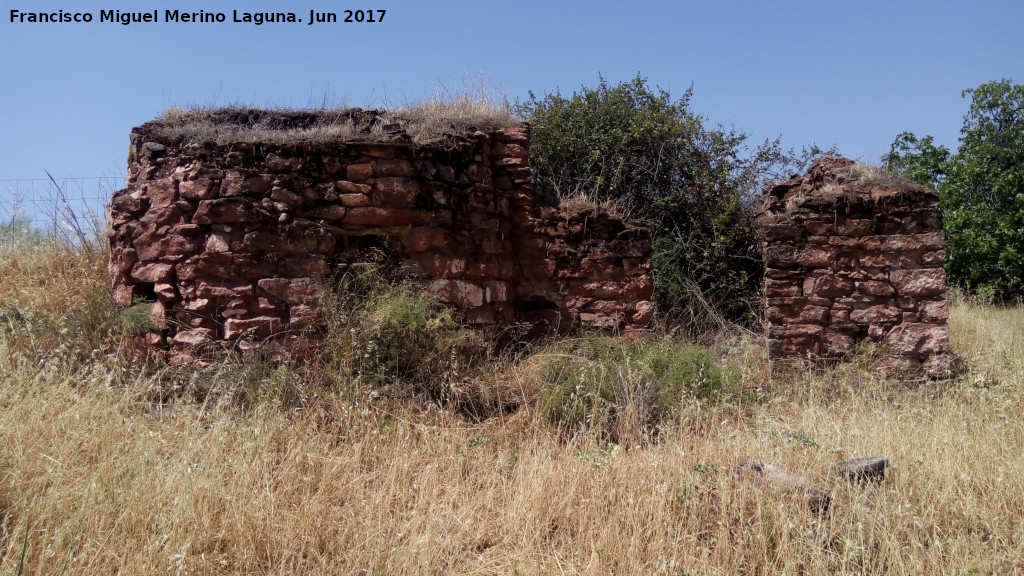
[68, 209]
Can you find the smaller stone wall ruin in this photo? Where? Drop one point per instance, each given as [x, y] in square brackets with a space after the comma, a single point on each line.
[853, 254]
[233, 239]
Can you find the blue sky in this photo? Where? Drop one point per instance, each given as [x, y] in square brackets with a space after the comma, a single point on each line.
[852, 74]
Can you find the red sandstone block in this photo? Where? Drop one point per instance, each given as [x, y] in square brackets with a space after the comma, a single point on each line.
[936, 258]
[218, 242]
[512, 162]
[122, 262]
[288, 197]
[358, 172]
[601, 321]
[225, 210]
[828, 286]
[169, 248]
[333, 213]
[426, 238]
[606, 307]
[876, 314]
[922, 282]
[217, 289]
[818, 228]
[875, 288]
[276, 163]
[163, 192]
[937, 365]
[510, 151]
[435, 265]
[643, 314]
[354, 200]
[813, 315]
[479, 316]
[332, 164]
[835, 344]
[839, 315]
[193, 337]
[909, 242]
[259, 327]
[153, 272]
[294, 290]
[801, 331]
[800, 347]
[874, 260]
[378, 151]
[199, 189]
[393, 167]
[871, 243]
[514, 134]
[347, 187]
[918, 339]
[781, 289]
[197, 305]
[816, 257]
[495, 291]
[934, 311]
[172, 215]
[395, 191]
[853, 227]
[165, 292]
[457, 292]
[233, 183]
[520, 176]
[372, 216]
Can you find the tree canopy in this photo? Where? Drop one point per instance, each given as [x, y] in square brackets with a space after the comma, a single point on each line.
[981, 190]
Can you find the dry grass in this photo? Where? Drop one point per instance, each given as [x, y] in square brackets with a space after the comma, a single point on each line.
[868, 175]
[421, 122]
[95, 478]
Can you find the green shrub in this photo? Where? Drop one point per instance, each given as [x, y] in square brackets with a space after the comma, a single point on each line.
[695, 186]
[605, 385]
[391, 337]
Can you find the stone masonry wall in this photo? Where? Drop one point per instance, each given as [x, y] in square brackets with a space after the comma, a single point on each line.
[852, 254]
[235, 241]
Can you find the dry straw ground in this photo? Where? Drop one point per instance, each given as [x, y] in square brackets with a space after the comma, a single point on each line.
[114, 465]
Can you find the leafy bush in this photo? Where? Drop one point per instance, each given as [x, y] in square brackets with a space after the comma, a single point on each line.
[694, 186]
[619, 389]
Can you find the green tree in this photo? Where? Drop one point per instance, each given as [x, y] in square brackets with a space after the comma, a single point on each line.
[695, 186]
[981, 190]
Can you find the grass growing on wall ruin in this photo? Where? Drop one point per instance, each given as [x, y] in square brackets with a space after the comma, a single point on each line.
[421, 122]
[113, 464]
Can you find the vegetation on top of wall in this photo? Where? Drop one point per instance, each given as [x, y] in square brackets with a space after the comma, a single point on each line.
[863, 174]
[419, 123]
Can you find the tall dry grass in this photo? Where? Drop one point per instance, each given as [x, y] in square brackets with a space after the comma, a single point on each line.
[96, 476]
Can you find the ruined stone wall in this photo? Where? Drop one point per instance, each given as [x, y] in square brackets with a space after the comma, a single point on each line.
[234, 241]
[853, 254]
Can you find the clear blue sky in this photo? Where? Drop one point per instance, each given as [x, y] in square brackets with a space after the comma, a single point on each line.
[851, 73]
